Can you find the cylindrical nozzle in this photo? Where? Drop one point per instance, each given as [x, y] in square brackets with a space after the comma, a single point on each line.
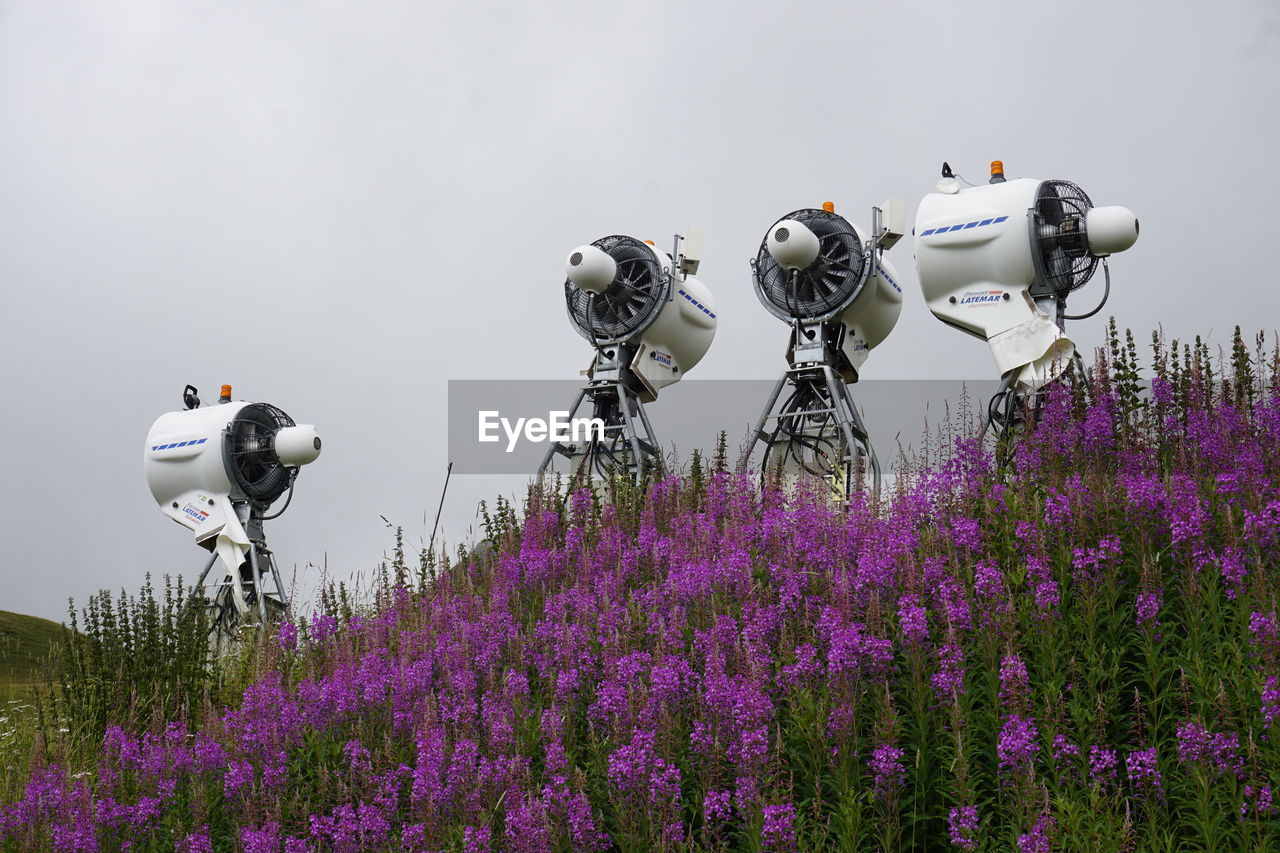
[1110, 229]
[792, 244]
[591, 268]
[297, 445]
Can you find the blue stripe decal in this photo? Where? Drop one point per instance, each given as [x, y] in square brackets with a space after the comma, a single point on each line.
[965, 226]
[698, 305]
[884, 275]
[191, 443]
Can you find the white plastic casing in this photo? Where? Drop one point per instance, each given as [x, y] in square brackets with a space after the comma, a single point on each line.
[873, 313]
[973, 257]
[591, 268]
[792, 244]
[297, 445]
[680, 335]
[1110, 229]
[183, 463]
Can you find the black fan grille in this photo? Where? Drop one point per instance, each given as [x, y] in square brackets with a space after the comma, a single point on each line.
[1062, 247]
[630, 303]
[250, 452]
[828, 285]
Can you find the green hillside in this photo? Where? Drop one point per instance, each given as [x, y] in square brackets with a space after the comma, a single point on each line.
[25, 644]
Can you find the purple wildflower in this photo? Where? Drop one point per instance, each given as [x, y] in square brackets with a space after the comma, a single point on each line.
[913, 620]
[1270, 701]
[477, 839]
[1047, 597]
[288, 636]
[948, 681]
[886, 769]
[1064, 749]
[717, 806]
[1014, 685]
[1148, 605]
[1262, 801]
[196, 842]
[1102, 766]
[1017, 745]
[962, 825]
[779, 832]
[1037, 840]
[1143, 773]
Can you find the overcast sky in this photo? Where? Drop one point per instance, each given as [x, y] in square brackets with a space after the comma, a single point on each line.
[337, 207]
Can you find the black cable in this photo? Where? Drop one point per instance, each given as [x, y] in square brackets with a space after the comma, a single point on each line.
[293, 478]
[1106, 270]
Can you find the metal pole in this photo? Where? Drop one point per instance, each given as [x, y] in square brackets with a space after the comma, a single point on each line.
[213, 558]
[759, 434]
[447, 474]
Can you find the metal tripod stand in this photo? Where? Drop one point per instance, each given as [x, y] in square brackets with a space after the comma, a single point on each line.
[623, 441]
[249, 586]
[816, 430]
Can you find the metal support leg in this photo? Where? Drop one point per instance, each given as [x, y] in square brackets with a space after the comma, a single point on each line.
[625, 421]
[820, 413]
[556, 447]
[257, 583]
[759, 434]
[856, 437]
[207, 566]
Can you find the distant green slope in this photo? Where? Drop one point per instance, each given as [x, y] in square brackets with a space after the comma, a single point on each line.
[25, 644]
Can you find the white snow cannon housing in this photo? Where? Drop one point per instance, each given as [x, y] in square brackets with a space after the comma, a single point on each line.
[622, 290]
[997, 261]
[206, 467]
[815, 266]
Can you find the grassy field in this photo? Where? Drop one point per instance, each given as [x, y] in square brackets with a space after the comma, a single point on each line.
[25, 645]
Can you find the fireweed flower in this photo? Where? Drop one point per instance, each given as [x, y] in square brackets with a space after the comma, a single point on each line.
[1047, 597]
[779, 831]
[1193, 743]
[966, 533]
[1219, 752]
[913, 620]
[1098, 433]
[1262, 801]
[886, 769]
[717, 806]
[1226, 754]
[948, 681]
[265, 839]
[1102, 766]
[476, 839]
[1148, 606]
[1017, 744]
[988, 583]
[1014, 685]
[1270, 701]
[1234, 573]
[1143, 773]
[962, 826]
[196, 842]
[1037, 840]
[288, 636]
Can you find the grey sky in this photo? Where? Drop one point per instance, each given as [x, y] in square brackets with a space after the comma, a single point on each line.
[336, 207]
